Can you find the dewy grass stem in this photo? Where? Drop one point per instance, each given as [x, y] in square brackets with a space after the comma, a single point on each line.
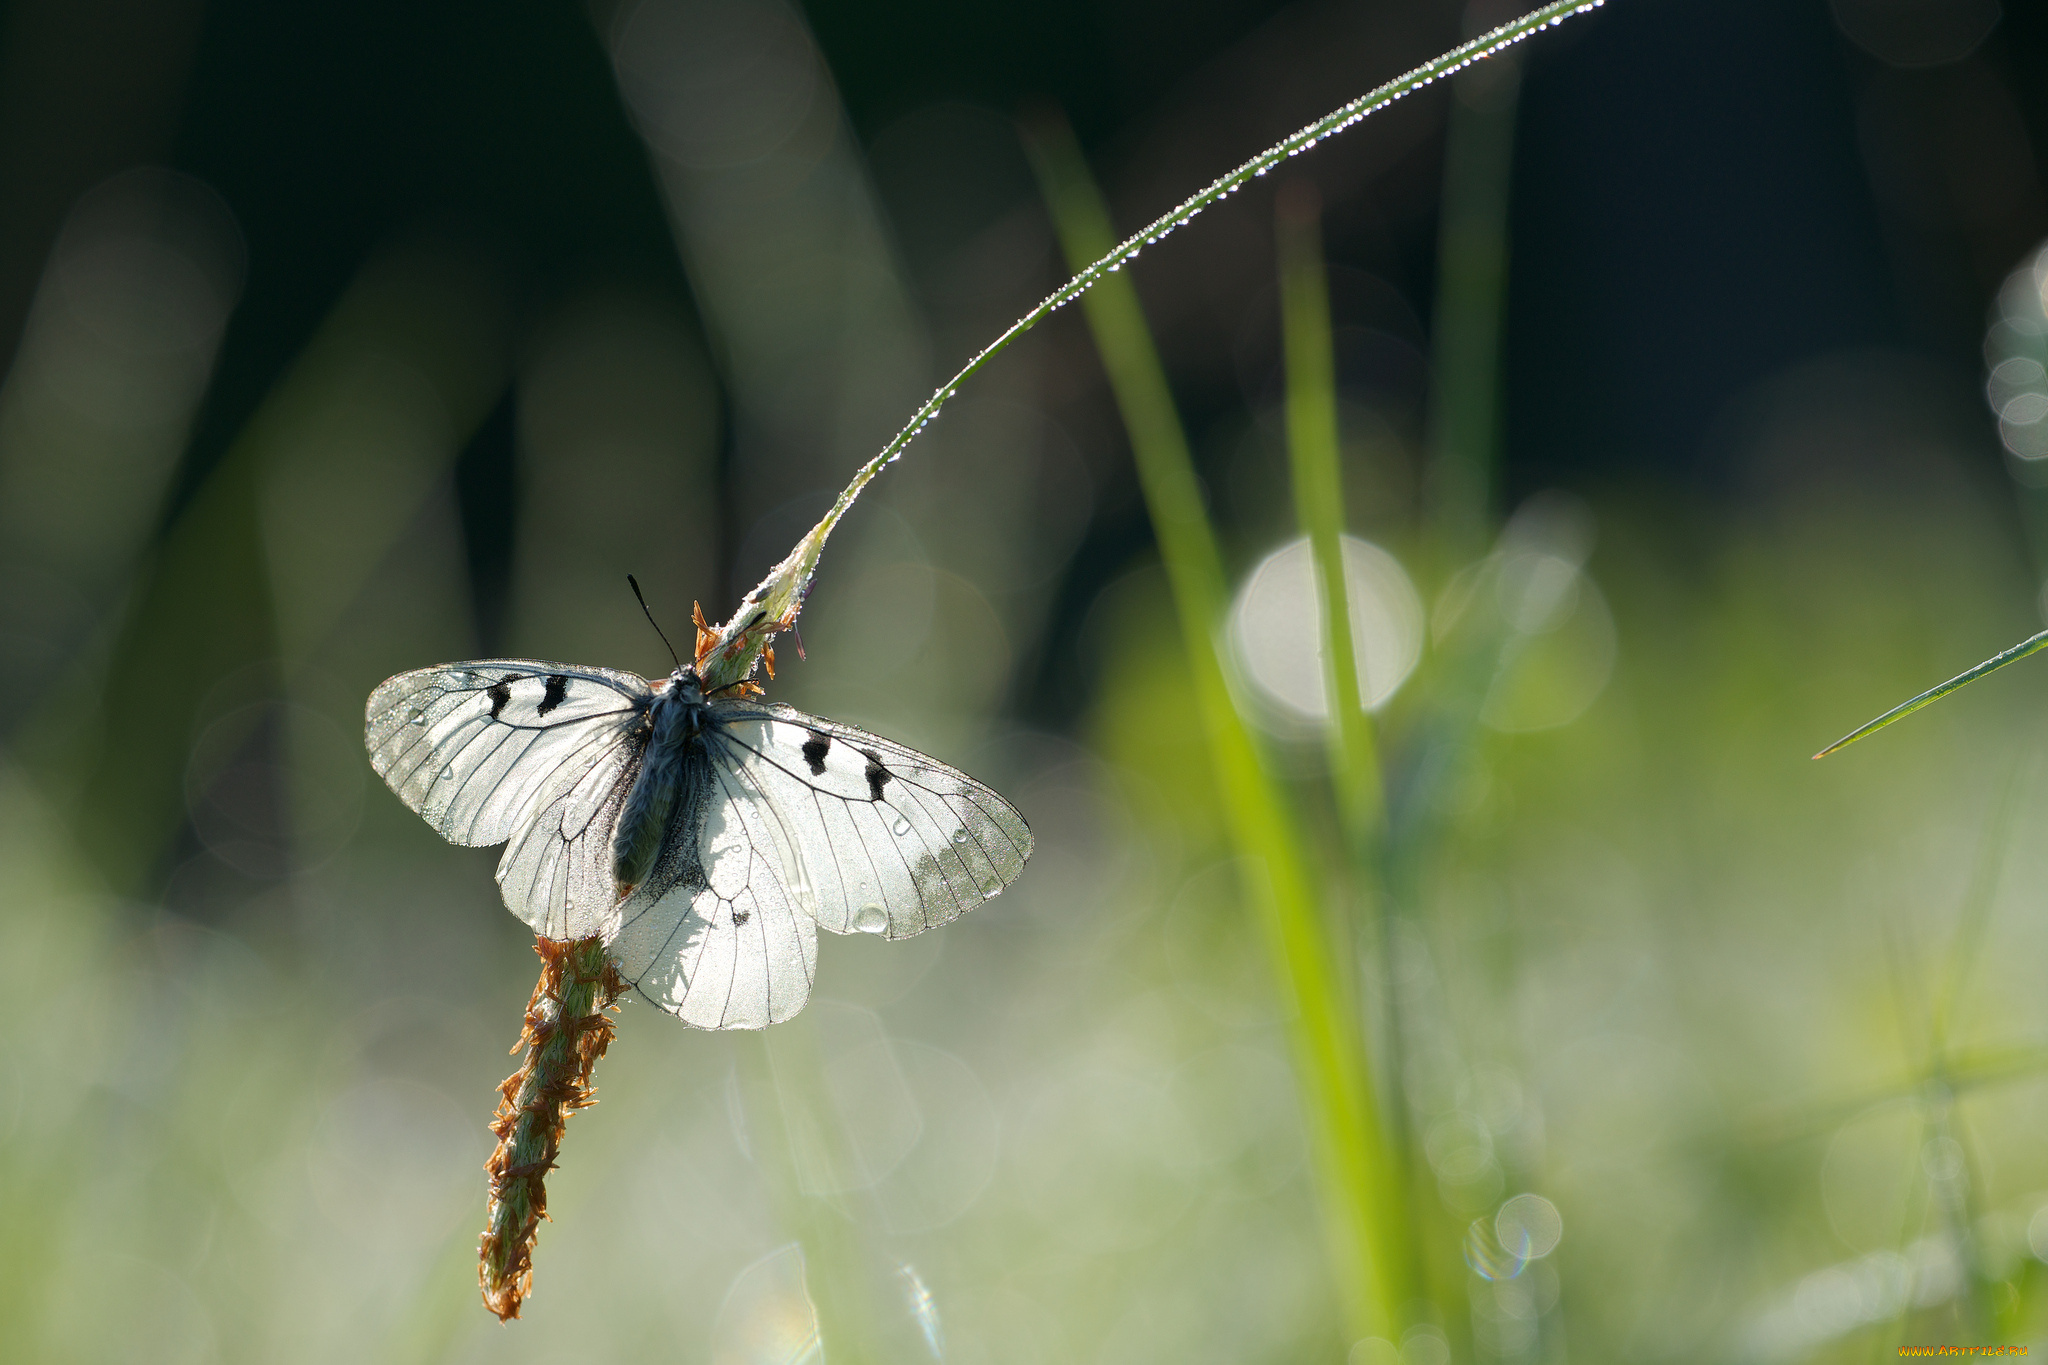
[738, 645]
[1356, 1180]
[1114, 254]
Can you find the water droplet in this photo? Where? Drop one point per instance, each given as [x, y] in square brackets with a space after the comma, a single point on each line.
[418, 718]
[448, 772]
[991, 891]
[871, 918]
[960, 835]
[902, 827]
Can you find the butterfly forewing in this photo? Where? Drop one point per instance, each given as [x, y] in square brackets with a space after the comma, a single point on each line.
[882, 838]
[469, 746]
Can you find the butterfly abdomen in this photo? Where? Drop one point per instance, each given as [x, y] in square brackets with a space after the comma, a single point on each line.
[637, 841]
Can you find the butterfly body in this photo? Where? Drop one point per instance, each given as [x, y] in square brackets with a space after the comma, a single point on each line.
[706, 839]
[676, 720]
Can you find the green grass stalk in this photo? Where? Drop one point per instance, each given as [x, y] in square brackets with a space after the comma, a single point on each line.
[1961, 1201]
[1357, 1182]
[1312, 449]
[799, 1132]
[1967, 941]
[1471, 304]
[1314, 456]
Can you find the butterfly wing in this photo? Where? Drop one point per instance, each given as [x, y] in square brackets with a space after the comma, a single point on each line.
[875, 837]
[789, 823]
[717, 936]
[540, 754]
[785, 822]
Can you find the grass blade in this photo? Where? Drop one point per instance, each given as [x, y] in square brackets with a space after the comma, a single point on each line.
[2032, 645]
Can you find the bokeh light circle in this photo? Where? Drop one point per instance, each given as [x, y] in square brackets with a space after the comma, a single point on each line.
[1276, 631]
[2016, 358]
[1529, 1225]
[2037, 1233]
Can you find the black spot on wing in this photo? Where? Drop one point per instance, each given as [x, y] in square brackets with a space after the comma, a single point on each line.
[740, 917]
[501, 694]
[558, 690]
[878, 776]
[815, 749]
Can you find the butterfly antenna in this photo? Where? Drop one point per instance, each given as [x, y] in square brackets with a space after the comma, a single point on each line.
[634, 583]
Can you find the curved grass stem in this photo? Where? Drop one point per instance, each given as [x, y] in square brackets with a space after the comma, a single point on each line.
[734, 648]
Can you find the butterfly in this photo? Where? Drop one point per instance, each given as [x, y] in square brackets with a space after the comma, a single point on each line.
[705, 835]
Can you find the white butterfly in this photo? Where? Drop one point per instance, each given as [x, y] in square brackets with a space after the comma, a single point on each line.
[706, 838]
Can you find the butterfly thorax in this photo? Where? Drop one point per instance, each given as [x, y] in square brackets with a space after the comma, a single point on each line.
[675, 718]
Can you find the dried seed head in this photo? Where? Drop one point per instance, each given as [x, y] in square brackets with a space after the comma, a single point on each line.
[566, 1030]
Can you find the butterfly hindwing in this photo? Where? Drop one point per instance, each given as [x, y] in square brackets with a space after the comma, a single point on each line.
[556, 873]
[716, 937]
[872, 836]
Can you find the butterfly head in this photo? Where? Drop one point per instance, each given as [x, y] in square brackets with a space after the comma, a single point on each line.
[685, 686]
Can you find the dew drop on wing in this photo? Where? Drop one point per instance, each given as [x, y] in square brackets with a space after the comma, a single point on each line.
[871, 918]
[418, 718]
[902, 827]
[960, 835]
[448, 773]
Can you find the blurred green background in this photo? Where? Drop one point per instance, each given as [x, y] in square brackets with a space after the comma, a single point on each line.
[347, 339]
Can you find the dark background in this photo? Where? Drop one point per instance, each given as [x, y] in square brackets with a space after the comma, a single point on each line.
[1703, 193]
